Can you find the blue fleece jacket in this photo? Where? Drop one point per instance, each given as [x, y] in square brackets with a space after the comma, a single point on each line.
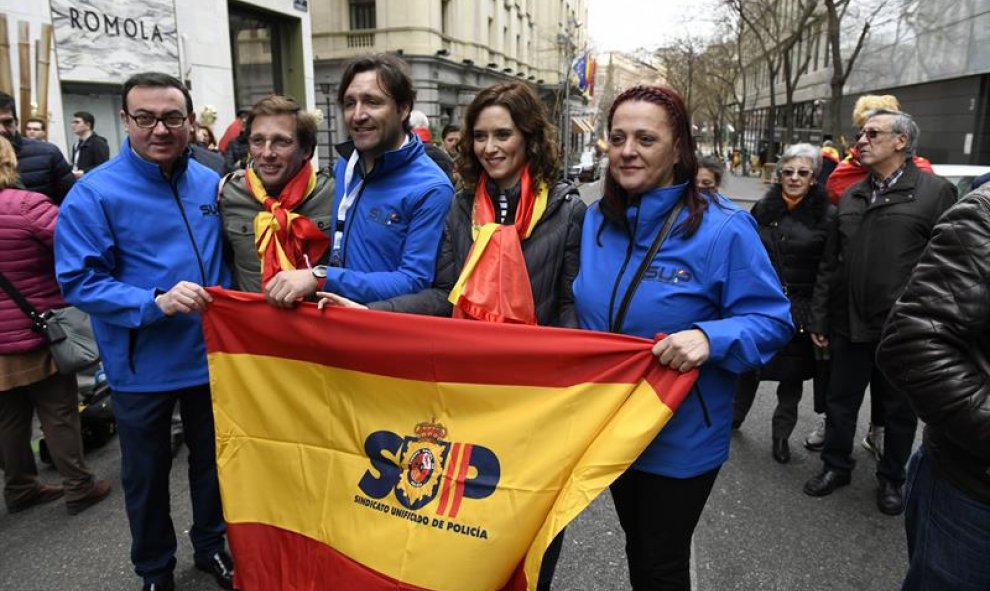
[719, 280]
[121, 239]
[392, 231]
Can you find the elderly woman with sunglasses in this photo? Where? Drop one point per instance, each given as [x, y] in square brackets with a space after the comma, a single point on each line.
[793, 218]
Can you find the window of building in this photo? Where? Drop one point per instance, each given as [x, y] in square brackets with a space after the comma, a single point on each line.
[362, 14]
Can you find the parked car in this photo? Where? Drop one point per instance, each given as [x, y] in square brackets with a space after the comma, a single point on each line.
[585, 170]
[960, 175]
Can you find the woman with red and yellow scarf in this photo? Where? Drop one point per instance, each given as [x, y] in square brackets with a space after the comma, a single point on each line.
[511, 241]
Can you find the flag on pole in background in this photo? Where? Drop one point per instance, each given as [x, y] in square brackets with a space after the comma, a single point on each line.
[363, 450]
[581, 69]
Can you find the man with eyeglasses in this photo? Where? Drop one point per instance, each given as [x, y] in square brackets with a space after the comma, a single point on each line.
[40, 165]
[36, 128]
[884, 224]
[136, 242]
[281, 201]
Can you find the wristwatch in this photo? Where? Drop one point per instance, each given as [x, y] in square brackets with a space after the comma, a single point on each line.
[319, 271]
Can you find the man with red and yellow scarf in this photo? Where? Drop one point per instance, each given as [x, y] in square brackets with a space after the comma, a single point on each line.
[276, 213]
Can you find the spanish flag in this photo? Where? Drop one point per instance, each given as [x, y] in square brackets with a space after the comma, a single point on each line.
[363, 450]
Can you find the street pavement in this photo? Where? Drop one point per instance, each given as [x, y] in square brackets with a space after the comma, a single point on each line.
[758, 530]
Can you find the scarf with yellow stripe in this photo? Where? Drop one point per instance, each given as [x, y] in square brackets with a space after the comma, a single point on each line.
[284, 239]
[494, 285]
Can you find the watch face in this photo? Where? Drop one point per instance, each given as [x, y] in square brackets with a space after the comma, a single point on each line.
[320, 271]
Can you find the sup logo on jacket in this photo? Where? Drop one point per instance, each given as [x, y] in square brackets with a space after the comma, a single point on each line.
[418, 469]
[667, 274]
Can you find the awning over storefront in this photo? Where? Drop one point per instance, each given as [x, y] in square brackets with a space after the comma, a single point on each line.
[581, 125]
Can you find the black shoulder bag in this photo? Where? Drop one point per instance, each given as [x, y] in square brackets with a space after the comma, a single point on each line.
[67, 331]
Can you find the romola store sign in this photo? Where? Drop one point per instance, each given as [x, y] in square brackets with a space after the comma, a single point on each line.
[106, 41]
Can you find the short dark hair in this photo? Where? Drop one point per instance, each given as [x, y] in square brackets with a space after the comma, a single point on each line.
[159, 80]
[449, 128]
[276, 104]
[87, 117]
[528, 114]
[7, 104]
[44, 124]
[393, 78]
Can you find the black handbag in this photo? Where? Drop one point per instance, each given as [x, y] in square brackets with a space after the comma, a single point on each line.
[67, 331]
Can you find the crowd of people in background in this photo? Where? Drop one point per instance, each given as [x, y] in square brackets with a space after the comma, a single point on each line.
[804, 287]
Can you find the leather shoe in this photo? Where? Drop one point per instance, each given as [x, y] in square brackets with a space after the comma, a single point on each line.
[825, 482]
[890, 498]
[167, 585]
[101, 489]
[45, 493]
[220, 565]
[781, 450]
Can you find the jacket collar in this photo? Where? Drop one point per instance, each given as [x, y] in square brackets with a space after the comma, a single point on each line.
[150, 170]
[391, 160]
[647, 218]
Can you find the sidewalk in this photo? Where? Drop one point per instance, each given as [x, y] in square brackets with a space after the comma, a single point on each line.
[745, 191]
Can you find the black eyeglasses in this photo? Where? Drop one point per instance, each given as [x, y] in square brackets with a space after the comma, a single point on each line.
[871, 134]
[801, 172]
[148, 121]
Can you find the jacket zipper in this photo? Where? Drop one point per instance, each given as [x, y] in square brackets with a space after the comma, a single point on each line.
[622, 271]
[132, 341]
[348, 223]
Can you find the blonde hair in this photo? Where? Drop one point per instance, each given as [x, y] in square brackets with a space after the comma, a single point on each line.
[872, 102]
[8, 164]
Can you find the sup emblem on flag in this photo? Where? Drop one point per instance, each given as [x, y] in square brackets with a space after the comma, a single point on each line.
[417, 468]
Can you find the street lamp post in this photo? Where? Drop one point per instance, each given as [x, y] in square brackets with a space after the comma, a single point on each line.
[325, 88]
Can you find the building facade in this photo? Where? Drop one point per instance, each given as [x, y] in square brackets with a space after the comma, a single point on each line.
[932, 56]
[228, 54]
[454, 47]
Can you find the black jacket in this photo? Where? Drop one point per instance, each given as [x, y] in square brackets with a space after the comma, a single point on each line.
[552, 253]
[871, 251]
[42, 168]
[795, 241]
[93, 152]
[935, 347]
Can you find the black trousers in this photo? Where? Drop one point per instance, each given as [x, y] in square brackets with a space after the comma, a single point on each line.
[144, 423]
[658, 515]
[853, 368]
[784, 415]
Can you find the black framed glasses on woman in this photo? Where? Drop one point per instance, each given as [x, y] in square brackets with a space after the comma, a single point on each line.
[149, 121]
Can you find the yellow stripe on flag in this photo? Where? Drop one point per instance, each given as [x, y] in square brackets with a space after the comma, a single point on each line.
[295, 456]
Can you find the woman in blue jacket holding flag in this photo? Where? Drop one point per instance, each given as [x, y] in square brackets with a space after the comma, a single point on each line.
[707, 284]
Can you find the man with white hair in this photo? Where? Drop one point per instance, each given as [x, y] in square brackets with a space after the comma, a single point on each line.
[884, 224]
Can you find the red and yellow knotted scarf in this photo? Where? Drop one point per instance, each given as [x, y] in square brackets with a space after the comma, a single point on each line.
[282, 237]
[494, 285]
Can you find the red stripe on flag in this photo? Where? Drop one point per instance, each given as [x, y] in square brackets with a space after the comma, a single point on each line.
[270, 558]
[538, 356]
[461, 477]
[455, 455]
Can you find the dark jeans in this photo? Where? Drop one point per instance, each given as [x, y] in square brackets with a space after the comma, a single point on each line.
[144, 422]
[56, 400]
[948, 534]
[788, 398]
[853, 368]
[658, 515]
